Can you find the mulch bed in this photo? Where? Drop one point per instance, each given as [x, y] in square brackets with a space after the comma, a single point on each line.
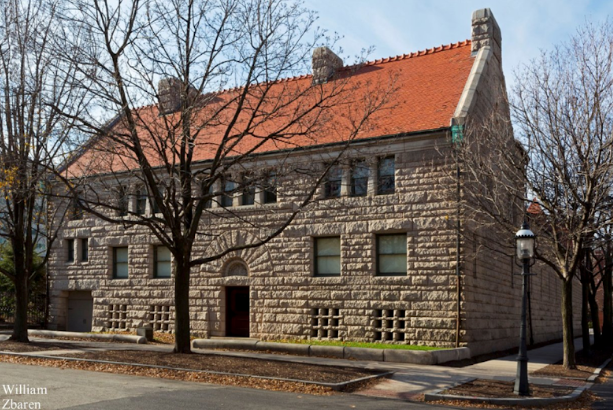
[584, 401]
[10, 346]
[254, 383]
[501, 389]
[586, 365]
[229, 364]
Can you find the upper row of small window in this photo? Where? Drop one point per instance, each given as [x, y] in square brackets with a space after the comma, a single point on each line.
[359, 175]
[248, 191]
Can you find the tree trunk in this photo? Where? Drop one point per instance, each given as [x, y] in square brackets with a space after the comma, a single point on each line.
[592, 290]
[182, 325]
[20, 328]
[585, 317]
[607, 308]
[567, 323]
[595, 319]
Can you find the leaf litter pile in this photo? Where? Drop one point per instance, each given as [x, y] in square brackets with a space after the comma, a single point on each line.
[237, 365]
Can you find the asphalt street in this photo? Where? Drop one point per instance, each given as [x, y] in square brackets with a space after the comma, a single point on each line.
[77, 389]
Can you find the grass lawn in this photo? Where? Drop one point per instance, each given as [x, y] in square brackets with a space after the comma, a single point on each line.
[358, 344]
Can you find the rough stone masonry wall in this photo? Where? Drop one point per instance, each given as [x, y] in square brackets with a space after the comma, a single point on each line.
[285, 294]
[286, 300]
[491, 303]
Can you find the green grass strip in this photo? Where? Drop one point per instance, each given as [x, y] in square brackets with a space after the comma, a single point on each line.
[357, 344]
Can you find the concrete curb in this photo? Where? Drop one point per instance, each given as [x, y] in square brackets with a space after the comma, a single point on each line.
[93, 336]
[530, 401]
[338, 352]
[426, 357]
[334, 386]
[598, 371]
[224, 344]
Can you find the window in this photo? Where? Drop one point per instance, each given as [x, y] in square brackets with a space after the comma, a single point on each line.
[328, 256]
[208, 193]
[70, 248]
[141, 201]
[76, 210]
[84, 250]
[385, 177]
[228, 189]
[155, 209]
[248, 196]
[332, 188]
[270, 188]
[359, 178]
[237, 268]
[122, 201]
[392, 255]
[120, 263]
[161, 262]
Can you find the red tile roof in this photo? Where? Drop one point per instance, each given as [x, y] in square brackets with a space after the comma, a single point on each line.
[427, 88]
[534, 208]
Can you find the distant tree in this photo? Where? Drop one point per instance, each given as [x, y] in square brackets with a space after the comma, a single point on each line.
[37, 282]
[193, 50]
[561, 158]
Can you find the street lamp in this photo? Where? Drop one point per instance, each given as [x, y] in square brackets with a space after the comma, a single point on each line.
[524, 240]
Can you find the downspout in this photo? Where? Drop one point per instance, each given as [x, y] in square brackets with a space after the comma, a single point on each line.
[457, 261]
[457, 134]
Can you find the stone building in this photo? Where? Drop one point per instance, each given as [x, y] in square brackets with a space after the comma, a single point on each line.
[376, 262]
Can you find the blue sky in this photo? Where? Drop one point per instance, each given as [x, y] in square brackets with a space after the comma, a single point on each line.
[400, 26]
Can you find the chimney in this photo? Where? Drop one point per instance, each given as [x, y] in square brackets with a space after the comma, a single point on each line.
[325, 64]
[169, 94]
[486, 32]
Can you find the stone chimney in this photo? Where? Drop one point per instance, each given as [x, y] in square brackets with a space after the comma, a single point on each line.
[485, 32]
[169, 91]
[325, 64]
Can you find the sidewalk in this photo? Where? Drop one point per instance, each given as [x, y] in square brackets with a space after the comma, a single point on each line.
[408, 381]
[415, 380]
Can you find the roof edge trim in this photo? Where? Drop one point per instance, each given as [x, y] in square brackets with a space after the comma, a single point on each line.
[467, 98]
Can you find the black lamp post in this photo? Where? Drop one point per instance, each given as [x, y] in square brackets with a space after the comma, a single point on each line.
[524, 239]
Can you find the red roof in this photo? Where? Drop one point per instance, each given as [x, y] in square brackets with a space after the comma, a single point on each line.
[427, 88]
[534, 208]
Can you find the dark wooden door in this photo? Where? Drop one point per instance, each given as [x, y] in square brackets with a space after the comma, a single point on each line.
[237, 311]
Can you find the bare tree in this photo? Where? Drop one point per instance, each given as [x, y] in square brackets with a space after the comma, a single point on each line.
[562, 160]
[198, 146]
[33, 136]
